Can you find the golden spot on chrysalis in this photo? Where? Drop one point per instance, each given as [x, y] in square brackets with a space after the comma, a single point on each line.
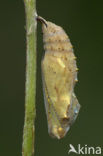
[74, 58]
[76, 80]
[61, 62]
[61, 132]
[77, 69]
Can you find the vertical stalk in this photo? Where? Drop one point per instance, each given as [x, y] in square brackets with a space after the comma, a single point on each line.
[30, 86]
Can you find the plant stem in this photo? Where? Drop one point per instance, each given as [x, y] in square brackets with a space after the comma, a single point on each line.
[30, 87]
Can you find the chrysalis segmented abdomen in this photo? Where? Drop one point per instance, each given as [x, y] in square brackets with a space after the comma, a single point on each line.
[59, 76]
[55, 39]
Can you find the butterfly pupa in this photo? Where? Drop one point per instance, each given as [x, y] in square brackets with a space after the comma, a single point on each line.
[59, 75]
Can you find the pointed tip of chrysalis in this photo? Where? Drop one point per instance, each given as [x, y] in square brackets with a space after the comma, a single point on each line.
[42, 20]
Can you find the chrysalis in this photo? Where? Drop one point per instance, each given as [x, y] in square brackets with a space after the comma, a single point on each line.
[59, 75]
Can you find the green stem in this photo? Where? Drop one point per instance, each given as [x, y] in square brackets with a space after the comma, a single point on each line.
[30, 87]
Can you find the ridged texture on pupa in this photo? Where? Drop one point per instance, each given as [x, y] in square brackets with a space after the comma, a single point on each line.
[59, 72]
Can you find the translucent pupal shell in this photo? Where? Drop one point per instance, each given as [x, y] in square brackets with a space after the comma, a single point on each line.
[59, 74]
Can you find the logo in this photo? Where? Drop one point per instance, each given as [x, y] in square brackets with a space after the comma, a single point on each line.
[84, 149]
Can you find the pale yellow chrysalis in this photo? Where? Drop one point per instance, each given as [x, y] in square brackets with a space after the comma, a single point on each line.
[59, 74]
